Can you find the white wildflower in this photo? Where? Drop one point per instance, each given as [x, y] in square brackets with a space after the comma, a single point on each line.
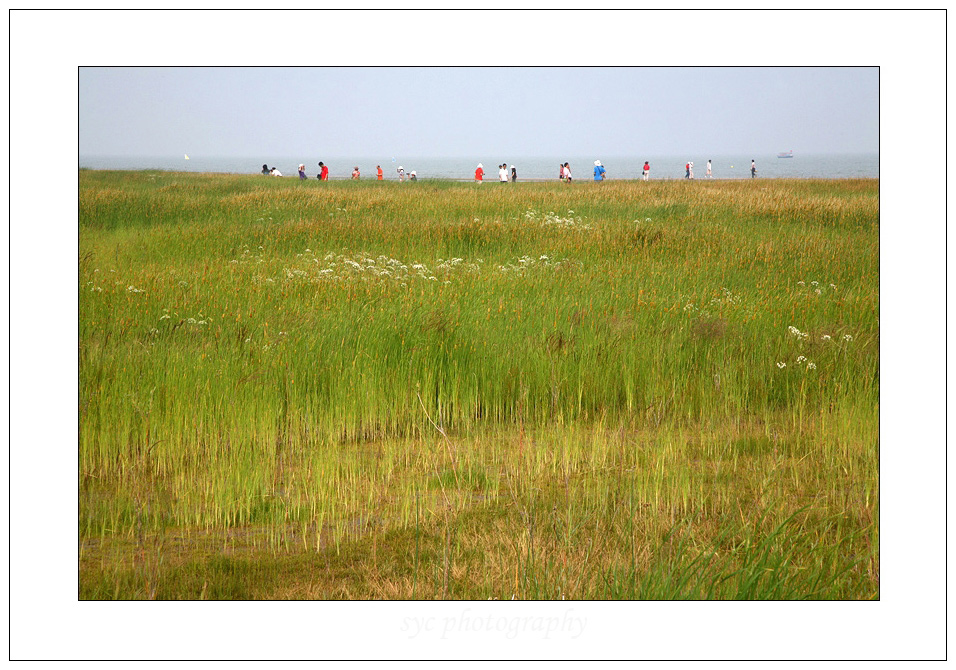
[811, 366]
[847, 338]
[796, 333]
[781, 365]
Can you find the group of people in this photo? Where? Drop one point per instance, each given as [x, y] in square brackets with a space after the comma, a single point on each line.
[564, 174]
[323, 174]
[689, 169]
[600, 174]
[411, 176]
[502, 173]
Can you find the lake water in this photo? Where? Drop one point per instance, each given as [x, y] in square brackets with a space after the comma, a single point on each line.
[826, 166]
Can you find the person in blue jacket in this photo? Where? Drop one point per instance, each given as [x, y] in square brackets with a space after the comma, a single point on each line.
[598, 171]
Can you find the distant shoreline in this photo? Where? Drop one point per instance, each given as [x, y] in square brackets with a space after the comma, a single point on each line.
[529, 180]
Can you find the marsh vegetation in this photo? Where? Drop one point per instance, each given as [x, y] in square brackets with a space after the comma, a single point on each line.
[448, 390]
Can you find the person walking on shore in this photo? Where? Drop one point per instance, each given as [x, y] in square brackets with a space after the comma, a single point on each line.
[381, 176]
[301, 170]
[647, 170]
[599, 171]
[514, 174]
[324, 173]
[709, 173]
[753, 168]
[567, 173]
[560, 171]
[687, 170]
[479, 173]
[691, 169]
[503, 173]
[355, 173]
[401, 173]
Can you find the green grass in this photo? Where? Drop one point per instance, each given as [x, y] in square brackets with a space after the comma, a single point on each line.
[446, 390]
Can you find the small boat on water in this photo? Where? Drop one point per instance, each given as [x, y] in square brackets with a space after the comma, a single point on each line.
[785, 154]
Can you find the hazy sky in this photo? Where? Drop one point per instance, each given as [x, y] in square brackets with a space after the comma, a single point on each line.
[451, 111]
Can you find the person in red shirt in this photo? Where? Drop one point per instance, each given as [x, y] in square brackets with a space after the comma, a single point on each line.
[479, 173]
[324, 175]
[380, 175]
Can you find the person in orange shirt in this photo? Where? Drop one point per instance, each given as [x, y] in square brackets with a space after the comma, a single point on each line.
[380, 175]
[479, 173]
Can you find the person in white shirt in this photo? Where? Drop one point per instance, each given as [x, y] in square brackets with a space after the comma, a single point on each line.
[275, 173]
[503, 173]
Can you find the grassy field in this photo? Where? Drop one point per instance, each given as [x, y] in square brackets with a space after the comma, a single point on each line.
[448, 390]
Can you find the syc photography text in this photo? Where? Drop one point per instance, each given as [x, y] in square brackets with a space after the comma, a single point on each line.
[545, 627]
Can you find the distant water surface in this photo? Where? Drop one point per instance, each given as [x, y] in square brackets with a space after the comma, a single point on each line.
[825, 166]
